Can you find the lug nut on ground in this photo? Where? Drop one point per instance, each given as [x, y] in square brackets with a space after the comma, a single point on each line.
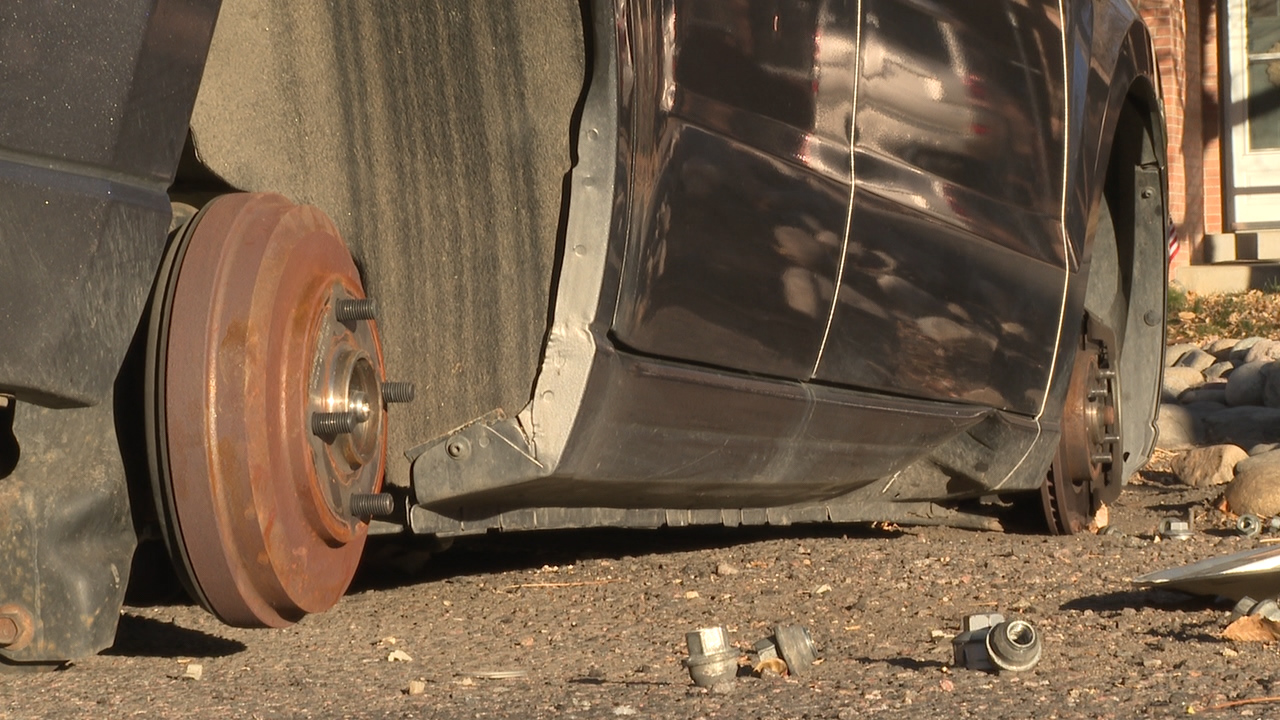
[712, 660]
[989, 642]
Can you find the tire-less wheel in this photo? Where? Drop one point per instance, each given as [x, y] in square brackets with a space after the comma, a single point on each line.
[1108, 419]
[265, 418]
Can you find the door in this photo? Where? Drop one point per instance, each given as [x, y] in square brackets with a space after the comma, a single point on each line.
[956, 266]
[740, 180]
[1253, 112]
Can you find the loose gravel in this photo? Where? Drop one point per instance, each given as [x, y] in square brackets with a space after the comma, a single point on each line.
[592, 624]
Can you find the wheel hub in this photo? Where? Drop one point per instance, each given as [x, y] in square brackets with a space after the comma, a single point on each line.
[265, 412]
[1081, 477]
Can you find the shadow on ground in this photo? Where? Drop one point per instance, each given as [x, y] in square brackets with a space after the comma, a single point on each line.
[146, 637]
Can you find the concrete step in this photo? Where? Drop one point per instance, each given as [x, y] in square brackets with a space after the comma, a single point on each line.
[1229, 277]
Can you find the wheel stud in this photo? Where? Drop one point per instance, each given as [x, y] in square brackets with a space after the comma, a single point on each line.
[397, 392]
[372, 504]
[358, 309]
[328, 424]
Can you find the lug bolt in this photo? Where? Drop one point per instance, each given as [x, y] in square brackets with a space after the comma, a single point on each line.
[372, 504]
[358, 309]
[397, 392]
[333, 423]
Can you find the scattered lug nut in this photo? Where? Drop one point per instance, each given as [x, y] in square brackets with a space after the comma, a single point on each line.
[1249, 525]
[1267, 608]
[796, 647]
[1175, 529]
[712, 660]
[989, 642]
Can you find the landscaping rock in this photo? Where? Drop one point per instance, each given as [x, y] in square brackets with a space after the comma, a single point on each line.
[1263, 448]
[1174, 353]
[1244, 426]
[1177, 428]
[1241, 349]
[1221, 348]
[1178, 380]
[1245, 385]
[1264, 351]
[1197, 359]
[1206, 466]
[1271, 385]
[1218, 370]
[1215, 392]
[1256, 488]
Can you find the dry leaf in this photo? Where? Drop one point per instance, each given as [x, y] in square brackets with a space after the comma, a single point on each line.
[773, 665]
[1252, 628]
[1186, 315]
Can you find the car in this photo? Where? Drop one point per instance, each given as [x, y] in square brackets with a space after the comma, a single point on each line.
[280, 276]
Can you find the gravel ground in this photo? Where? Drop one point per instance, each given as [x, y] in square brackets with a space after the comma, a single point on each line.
[594, 623]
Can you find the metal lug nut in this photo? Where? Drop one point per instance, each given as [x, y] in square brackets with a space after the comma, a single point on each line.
[1175, 529]
[328, 424]
[1014, 645]
[1249, 525]
[358, 309]
[397, 392]
[365, 505]
[796, 647]
[712, 660]
[988, 642]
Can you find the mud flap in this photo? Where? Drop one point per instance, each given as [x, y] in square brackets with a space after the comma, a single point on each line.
[65, 534]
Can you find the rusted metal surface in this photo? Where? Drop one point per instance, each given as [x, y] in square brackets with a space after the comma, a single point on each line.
[1088, 441]
[248, 349]
[17, 627]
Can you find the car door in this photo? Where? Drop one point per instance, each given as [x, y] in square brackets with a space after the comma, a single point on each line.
[955, 266]
[740, 180]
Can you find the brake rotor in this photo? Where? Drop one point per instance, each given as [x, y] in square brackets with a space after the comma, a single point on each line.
[1079, 480]
[267, 430]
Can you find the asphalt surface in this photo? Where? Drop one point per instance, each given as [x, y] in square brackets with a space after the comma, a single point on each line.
[592, 624]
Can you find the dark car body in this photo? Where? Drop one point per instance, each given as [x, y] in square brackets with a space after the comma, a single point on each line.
[651, 262]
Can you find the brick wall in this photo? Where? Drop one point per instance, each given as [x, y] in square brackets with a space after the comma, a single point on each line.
[1185, 35]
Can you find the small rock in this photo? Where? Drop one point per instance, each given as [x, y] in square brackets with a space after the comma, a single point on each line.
[1256, 489]
[725, 568]
[1178, 380]
[1215, 392]
[1221, 348]
[624, 710]
[1174, 353]
[1241, 349]
[1271, 385]
[1244, 426]
[194, 671]
[691, 595]
[416, 687]
[1196, 359]
[1213, 465]
[1263, 351]
[822, 589]
[1178, 428]
[1245, 385]
[1218, 370]
[399, 656]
